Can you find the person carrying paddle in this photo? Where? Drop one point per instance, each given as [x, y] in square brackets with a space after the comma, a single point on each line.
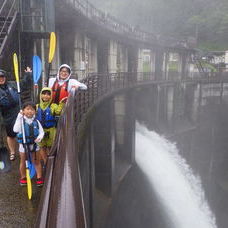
[46, 113]
[33, 134]
[9, 105]
[62, 84]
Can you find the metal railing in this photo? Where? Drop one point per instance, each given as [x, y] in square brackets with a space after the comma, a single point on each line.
[63, 175]
[103, 85]
[8, 15]
[61, 200]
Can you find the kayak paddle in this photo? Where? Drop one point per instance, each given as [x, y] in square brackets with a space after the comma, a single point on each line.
[52, 46]
[16, 71]
[36, 72]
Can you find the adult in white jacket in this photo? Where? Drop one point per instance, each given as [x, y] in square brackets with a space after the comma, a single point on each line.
[62, 84]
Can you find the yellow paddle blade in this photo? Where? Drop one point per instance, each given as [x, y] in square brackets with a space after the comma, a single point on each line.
[52, 45]
[15, 64]
[29, 184]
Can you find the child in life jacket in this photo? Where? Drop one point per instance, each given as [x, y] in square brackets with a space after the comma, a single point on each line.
[33, 134]
[46, 113]
[62, 84]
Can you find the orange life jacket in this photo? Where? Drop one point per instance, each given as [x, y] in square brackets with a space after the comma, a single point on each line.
[59, 92]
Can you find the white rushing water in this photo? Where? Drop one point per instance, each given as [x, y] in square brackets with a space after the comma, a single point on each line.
[177, 188]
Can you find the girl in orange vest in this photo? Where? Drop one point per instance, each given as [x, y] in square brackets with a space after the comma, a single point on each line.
[62, 84]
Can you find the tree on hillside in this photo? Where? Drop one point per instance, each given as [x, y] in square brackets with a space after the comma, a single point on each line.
[206, 20]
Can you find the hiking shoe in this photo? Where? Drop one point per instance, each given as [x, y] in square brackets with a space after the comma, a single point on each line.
[23, 182]
[39, 182]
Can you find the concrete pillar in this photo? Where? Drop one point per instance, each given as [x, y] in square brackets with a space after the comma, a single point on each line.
[158, 64]
[140, 60]
[140, 65]
[196, 101]
[189, 100]
[132, 59]
[174, 66]
[133, 62]
[112, 58]
[104, 148]
[124, 119]
[170, 105]
[179, 65]
[90, 60]
[119, 113]
[79, 63]
[221, 91]
[129, 136]
[165, 66]
[184, 65]
[92, 56]
[102, 56]
[178, 103]
[226, 60]
[152, 61]
[158, 103]
[122, 58]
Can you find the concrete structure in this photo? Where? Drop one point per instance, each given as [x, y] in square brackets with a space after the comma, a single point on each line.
[92, 163]
[89, 41]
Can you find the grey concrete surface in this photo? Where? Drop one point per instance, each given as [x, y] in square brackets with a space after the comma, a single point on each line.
[16, 210]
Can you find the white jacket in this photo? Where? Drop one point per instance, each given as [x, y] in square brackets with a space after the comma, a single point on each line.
[17, 128]
[72, 82]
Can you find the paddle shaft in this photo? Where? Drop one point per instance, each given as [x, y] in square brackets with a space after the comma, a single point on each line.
[48, 73]
[16, 71]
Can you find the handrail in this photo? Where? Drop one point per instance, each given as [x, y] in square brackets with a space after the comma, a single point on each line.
[10, 14]
[63, 188]
[100, 86]
[61, 202]
[9, 31]
[2, 7]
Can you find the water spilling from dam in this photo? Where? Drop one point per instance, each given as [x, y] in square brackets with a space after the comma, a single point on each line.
[176, 186]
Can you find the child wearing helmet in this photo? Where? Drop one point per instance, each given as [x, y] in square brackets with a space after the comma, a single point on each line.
[29, 133]
[46, 113]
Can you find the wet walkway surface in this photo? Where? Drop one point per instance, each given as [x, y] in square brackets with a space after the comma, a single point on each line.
[16, 210]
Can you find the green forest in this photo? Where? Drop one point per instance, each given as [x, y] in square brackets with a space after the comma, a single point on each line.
[205, 20]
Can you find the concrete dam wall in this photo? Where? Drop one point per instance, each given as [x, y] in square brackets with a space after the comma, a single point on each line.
[117, 192]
